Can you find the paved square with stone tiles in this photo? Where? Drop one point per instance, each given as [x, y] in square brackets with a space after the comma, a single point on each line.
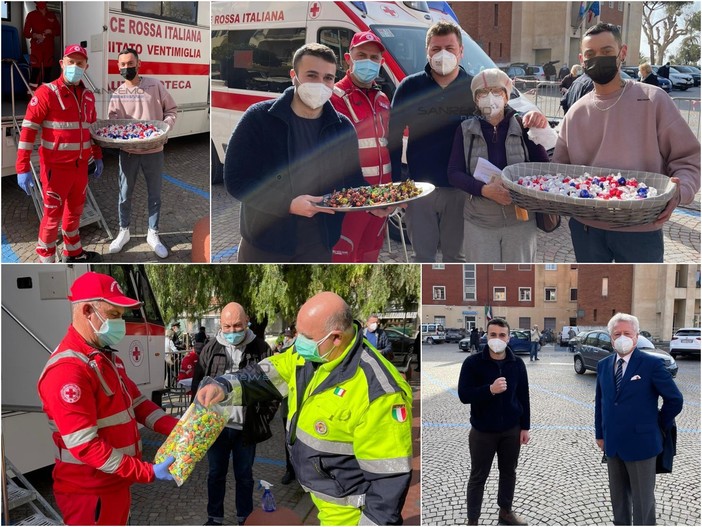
[185, 198]
[681, 235]
[560, 477]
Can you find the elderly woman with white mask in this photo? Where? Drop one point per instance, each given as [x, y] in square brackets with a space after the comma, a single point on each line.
[495, 231]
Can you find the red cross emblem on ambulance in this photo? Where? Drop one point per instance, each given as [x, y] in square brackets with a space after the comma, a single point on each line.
[136, 353]
[389, 11]
[315, 8]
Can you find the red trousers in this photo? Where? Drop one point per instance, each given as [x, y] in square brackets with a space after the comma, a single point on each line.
[110, 508]
[362, 237]
[64, 188]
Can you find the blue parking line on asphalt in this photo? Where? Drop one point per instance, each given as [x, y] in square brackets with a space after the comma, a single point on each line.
[589, 406]
[226, 253]
[687, 212]
[445, 386]
[8, 253]
[187, 186]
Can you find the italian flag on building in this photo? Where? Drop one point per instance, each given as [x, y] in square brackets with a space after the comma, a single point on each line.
[399, 413]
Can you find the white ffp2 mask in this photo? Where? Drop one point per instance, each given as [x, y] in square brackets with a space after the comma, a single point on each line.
[313, 94]
[443, 62]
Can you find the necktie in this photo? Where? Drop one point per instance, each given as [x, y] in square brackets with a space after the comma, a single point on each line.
[618, 374]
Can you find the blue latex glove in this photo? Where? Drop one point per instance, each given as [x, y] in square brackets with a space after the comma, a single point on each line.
[161, 469]
[98, 168]
[25, 181]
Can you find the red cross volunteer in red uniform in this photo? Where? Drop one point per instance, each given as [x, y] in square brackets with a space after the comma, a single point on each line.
[94, 408]
[63, 111]
[358, 97]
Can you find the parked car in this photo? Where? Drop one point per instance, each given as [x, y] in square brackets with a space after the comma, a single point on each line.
[597, 345]
[519, 342]
[685, 342]
[402, 349]
[692, 72]
[576, 340]
[433, 333]
[564, 336]
[680, 81]
[453, 335]
[532, 71]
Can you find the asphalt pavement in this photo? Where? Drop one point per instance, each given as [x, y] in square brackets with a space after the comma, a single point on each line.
[560, 477]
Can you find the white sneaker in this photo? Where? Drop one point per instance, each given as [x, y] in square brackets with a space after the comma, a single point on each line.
[155, 243]
[120, 241]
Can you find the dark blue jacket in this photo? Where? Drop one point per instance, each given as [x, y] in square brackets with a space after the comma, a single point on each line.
[500, 412]
[628, 421]
[257, 172]
[432, 114]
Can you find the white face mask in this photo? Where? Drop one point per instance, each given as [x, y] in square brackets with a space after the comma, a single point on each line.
[372, 327]
[497, 345]
[491, 105]
[313, 94]
[623, 345]
[444, 62]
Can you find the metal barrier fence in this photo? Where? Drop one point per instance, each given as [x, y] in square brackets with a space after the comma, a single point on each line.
[547, 96]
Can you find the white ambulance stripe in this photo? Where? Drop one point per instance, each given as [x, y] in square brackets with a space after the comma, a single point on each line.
[26, 123]
[274, 377]
[379, 373]
[153, 417]
[112, 464]
[398, 465]
[80, 437]
[355, 500]
[119, 418]
[61, 125]
[24, 145]
[324, 445]
[365, 520]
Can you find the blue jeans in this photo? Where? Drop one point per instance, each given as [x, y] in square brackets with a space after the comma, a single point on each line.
[599, 246]
[230, 444]
[152, 167]
[534, 350]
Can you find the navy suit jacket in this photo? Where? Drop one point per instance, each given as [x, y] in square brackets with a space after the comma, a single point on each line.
[628, 420]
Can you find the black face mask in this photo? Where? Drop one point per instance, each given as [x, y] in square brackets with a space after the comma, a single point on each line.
[128, 73]
[601, 69]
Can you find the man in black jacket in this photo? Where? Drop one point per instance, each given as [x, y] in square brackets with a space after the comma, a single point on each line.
[283, 157]
[496, 386]
[234, 347]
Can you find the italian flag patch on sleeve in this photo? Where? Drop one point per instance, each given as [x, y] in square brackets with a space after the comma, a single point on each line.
[339, 391]
[399, 413]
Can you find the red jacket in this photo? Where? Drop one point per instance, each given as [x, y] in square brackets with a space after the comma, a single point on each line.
[41, 52]
[93, 410]
[187, 365]
[63, 114]
[369, 111]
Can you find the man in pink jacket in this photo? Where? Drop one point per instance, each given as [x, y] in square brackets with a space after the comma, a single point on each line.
[145, 99]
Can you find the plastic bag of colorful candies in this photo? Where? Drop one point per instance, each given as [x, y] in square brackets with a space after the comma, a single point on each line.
[130, 131]
[192, 437]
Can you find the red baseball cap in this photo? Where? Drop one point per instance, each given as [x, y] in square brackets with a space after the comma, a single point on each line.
[96, 286]
[75, 48]
[364, 37]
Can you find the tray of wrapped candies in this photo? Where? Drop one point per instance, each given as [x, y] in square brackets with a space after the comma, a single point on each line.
[375, 196]
[129, 133]
[621, 198]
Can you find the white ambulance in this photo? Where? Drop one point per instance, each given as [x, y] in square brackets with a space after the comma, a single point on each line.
[172, 39]
[253, 45]
[35, 316]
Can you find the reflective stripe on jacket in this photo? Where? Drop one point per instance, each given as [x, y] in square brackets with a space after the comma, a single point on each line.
[93, 410]
[369, 111]
[349, 426]
[63, 114]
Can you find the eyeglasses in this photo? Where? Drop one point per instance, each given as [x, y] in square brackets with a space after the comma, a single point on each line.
[482, 92]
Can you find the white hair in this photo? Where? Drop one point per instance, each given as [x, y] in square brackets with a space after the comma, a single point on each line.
[623, 317]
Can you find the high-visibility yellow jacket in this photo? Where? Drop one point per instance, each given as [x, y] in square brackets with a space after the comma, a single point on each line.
[349, 425]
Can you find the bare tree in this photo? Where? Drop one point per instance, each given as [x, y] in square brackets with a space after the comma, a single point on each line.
[661, 26]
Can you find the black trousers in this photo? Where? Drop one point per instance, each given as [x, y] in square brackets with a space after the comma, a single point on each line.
[483, 447]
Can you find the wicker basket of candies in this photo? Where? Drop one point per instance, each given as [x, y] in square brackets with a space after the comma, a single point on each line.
[621, 198]
[131, 134]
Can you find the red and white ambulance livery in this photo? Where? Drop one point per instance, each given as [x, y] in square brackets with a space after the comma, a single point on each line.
[253, 45]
